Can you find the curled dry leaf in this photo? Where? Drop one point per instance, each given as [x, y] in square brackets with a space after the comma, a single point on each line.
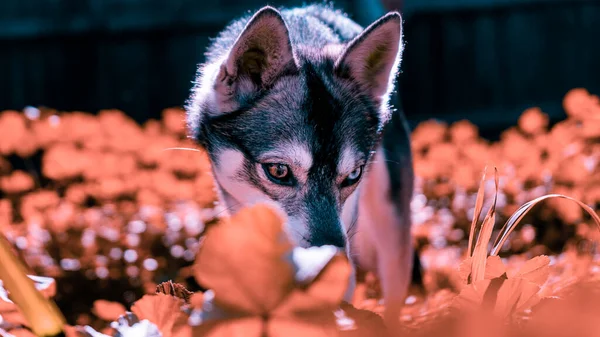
[174, 289]
[107, 310]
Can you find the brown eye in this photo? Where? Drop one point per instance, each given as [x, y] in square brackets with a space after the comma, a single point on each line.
[279, 173]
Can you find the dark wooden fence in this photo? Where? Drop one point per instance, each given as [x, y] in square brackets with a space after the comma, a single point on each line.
[481, 60]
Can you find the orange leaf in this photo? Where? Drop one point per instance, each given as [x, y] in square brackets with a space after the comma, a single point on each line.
[516, 295]
[317, 326]
[245, 260]
[323, 295]
[164, 311]
[504, 296]
[464, 269]
[535, 270]
[21, 333]
[494, 267]
[480, 252]
[108, 311]
[247, 327]
[477, 211]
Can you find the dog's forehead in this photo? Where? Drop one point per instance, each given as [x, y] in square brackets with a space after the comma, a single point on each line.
[308, 115]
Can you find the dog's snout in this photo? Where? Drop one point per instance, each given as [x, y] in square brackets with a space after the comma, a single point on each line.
[322, 238]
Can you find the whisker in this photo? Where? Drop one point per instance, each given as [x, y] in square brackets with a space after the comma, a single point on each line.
[228, 208]
[352, 225]
[182, 149]
[387, 161]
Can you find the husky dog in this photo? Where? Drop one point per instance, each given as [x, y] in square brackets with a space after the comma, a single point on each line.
[292, 106]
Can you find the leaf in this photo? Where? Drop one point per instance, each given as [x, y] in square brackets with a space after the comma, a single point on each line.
[464, 269]
[503, 296]
[174, 289]
[292, 327]
[108, 311]
[247, 327]
[494, 268]
[306, 311]
[535, 270]
[245, 260]
[324, 295]
[45, 285]
[480, 252]
[19, 333]
[366, 323]
[471, 296]
[164, 311]
[512, 222]
[477, 211]
[43, 315]
[516, 295]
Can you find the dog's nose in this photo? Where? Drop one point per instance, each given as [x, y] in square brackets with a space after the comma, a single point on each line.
[327, 238]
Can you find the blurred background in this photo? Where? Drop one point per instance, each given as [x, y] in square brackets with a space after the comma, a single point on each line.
[97, 202]
[481, 60]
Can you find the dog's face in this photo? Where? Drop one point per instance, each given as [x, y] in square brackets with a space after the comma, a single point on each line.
[296, 127]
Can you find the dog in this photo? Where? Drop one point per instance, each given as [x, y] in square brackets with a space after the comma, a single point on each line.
[293, 107]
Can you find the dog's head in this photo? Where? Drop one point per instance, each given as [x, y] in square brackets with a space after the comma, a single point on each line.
[294, 125]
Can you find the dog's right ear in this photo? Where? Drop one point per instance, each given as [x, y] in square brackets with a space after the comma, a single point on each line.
[261, 52]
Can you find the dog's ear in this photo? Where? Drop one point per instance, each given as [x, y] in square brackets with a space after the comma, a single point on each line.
[372, 58]
[261, 52]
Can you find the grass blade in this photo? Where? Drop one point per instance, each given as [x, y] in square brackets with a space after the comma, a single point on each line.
[43, 316]
[480, 251]
[512, 222]
[477, 210]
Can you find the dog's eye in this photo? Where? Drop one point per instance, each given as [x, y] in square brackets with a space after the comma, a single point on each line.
[279, 173]
[353, 177]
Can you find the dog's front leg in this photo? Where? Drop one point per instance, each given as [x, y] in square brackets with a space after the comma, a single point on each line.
[384, 225]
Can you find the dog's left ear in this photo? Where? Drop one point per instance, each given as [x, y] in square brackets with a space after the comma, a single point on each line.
[372, 58]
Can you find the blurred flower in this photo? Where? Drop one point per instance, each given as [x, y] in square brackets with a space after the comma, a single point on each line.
[174, 121]
[13, 130]
[17, 182]
[463, 132]
[533, 121]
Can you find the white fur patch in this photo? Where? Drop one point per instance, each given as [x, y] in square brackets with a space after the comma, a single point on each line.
[230, 162]
[297, 231]
[347, 161]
